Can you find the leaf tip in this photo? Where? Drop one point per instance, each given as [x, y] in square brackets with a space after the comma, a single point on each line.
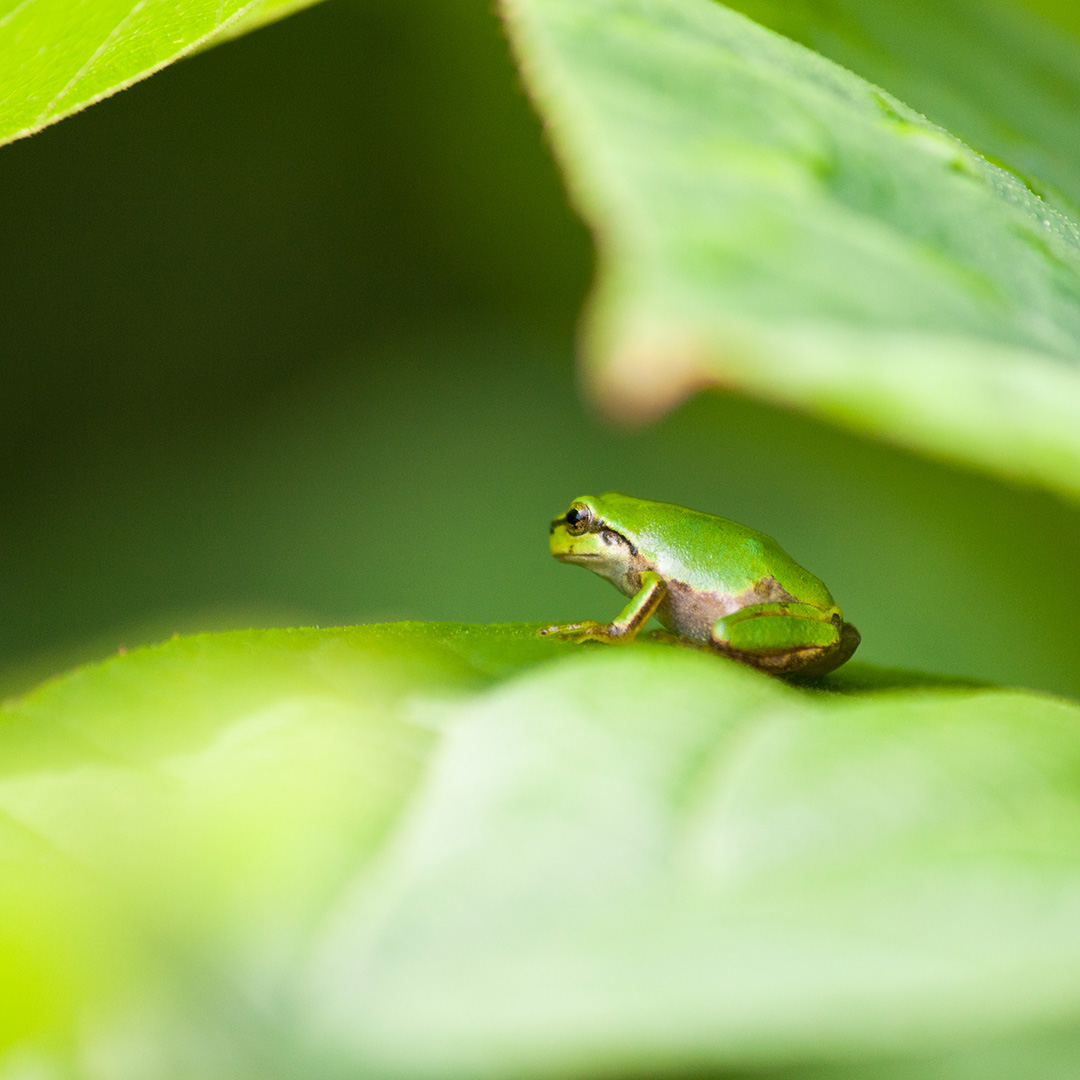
[646, 376]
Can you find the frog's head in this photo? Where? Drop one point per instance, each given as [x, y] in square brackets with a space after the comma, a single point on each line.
[587, 535]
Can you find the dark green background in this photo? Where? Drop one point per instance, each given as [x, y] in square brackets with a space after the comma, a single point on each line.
[287, 337]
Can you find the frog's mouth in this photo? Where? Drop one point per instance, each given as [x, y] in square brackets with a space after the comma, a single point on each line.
[576, 556]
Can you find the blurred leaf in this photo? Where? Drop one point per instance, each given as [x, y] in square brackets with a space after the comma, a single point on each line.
[62, 55]
[769, 221]
[990, 72]
[459, 850]
[204, 796]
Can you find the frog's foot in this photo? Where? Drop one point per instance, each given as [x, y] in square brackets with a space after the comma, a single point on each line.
[629, 621]
[785, 639]
[830, 659]
[580, 632]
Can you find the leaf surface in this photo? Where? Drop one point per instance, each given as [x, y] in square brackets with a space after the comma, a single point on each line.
[1001, 76]
[439, 849]
[769, 221]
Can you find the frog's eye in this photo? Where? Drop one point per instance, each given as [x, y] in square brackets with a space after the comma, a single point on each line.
[578, 519]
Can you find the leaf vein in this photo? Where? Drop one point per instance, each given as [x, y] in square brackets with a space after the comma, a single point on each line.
[14, 11]
[94, 56]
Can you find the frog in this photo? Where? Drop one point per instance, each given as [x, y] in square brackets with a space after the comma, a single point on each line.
[712, 583]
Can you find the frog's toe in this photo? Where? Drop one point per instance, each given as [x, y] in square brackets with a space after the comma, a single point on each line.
[569, 631]
[580, 632]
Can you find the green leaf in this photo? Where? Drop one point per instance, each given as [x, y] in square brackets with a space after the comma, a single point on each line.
[418, 850]
[214, 790]
[991, 72]
[256, 15]
[769, 221]
[62, 55]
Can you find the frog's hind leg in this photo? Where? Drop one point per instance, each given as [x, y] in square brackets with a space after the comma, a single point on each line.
[785, 639]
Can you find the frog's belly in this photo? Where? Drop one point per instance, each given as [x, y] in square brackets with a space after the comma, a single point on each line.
[692, 613]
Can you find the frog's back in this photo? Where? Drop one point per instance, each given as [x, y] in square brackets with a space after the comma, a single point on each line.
[711, 554]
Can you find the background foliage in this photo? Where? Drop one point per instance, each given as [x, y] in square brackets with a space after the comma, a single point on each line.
[241, 298]
[288, 339]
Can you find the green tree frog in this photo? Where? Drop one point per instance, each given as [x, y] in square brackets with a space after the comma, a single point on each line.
[706, 579]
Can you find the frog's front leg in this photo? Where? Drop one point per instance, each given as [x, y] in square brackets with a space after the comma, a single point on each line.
[786, 639]
[625, 627]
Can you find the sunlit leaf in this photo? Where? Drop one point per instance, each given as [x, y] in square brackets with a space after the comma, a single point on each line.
[61, 55]
[260, 14]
